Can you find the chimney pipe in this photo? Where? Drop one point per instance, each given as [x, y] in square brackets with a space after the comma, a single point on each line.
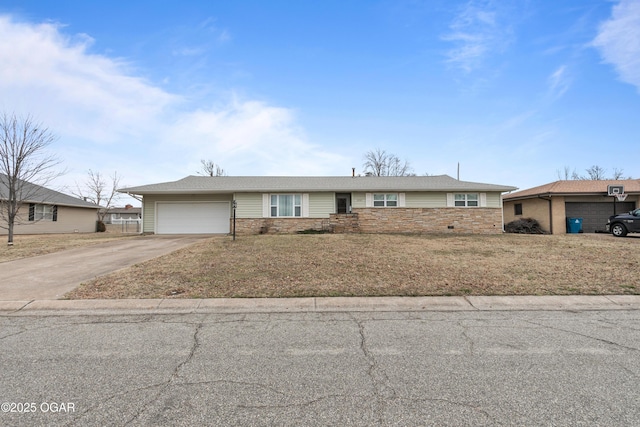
[353, 172]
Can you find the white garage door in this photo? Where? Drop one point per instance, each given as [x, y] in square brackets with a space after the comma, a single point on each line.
[192, 218]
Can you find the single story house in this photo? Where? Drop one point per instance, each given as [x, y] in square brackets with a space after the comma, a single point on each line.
[367, 204]
[551, 204]
[118, 215]
[48, 211]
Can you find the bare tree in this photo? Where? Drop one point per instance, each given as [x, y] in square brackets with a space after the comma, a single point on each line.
[100, 190]
[25, 167]
[567, 174]
[209, 168]
[619, 174]
[595, 173]
[380, 163]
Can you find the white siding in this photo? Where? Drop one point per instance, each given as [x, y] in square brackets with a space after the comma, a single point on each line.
[450, 200]
[369, 200]
[305, 205]
[249, 205]
[321, 205]
[266, 206]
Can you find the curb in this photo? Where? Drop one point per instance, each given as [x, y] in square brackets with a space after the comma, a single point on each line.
[324, 304]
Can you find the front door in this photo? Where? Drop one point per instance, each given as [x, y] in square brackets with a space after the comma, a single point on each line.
[343, 203]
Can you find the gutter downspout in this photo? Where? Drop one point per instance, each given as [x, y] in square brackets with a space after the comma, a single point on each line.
[502, 211]
[550, 212]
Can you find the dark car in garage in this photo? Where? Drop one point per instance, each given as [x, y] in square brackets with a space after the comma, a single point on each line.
[620, 225]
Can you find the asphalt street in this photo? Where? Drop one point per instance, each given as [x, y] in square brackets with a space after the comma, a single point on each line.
[458, 368]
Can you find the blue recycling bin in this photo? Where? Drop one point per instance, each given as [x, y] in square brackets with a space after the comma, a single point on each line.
[574, 225]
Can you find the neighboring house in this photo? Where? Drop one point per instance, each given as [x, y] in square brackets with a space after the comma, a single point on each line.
[551, 204]
[49, 211]
[118, 215]
[411, 204]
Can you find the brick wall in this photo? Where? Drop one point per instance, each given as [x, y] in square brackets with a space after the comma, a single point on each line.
[430, 220]
[391, 220]
[278, 225]
[535, 208]
[344, 223]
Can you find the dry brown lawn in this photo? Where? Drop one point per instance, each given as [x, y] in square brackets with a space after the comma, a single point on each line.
[41, 244]
[378, 265]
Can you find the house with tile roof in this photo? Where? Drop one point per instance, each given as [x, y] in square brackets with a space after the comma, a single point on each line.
[366, 204]
[551, 204]
[47, 211]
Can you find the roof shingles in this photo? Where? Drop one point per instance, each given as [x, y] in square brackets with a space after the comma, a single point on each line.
[40, 194]
[240, 184]
[576, 187]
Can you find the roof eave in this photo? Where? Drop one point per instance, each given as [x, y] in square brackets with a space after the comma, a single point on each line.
[306, 190]
[537, 195]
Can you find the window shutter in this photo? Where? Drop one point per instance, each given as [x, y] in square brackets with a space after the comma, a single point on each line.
[450, 200]
[55, 213]
[32, 212]
[369, 200]
[401, 200]
[266, 206]
[483, 200]
[305, 205]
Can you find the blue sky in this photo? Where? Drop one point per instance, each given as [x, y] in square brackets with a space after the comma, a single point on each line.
[513, 91]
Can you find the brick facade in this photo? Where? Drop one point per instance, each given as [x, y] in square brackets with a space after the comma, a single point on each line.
[279, 225]
[389, 220]
[430, 220]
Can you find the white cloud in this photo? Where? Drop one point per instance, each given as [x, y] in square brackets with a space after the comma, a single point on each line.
[53, 74]
[252, 135]
[109, 118]
[618, 41]
[208, 34]
[559, 82]
[223, 37]
[478, 31]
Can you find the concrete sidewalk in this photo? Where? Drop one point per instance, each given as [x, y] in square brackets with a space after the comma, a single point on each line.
[323, 304]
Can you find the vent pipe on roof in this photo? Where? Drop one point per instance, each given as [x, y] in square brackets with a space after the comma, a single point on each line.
[353, 172]
[458, 171]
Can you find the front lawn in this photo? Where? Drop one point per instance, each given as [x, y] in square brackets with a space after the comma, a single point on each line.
[377, 265]
[25, 246]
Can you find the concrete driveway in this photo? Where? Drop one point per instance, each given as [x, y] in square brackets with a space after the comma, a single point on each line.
[51, 276]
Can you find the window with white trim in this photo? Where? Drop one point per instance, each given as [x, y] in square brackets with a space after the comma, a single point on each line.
[466, 200]
[385, 200]
[286, 205]
[38, 212]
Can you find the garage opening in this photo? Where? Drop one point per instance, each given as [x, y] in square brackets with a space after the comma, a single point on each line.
[594, 215]
[192, 217]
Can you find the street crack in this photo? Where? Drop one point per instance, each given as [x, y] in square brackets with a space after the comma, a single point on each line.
[381, 388]
[602, 340]
[175, 374]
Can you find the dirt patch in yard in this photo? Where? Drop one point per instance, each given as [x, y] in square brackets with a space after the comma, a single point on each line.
[381, 265]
